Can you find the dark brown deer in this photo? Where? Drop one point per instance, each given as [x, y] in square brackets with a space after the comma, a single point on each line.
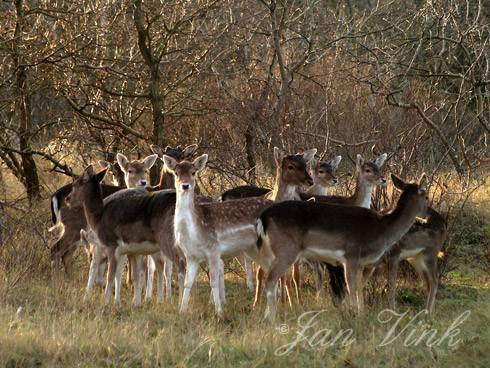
[420, 247]
[71, 220]
[292, 230]
[134, 225]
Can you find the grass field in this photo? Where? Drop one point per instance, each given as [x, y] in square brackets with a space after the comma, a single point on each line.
[56, 328]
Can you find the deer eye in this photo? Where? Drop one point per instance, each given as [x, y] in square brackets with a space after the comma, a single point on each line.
[193, 173]
[368, 170]
[130, 171]
[290, 167]
[321, 172]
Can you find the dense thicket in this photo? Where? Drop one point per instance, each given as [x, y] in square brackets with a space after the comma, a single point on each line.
[82, 79]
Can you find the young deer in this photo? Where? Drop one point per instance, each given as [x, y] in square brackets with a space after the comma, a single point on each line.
[156, 261]
[70, 219]
[132, 225]
[420, 247]
[323, 174]
[319, 231]
[210, 231]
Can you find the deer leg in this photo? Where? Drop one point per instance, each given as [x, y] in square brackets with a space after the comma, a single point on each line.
[190, 277]
[93, 271]
[279, 267]
[418, 263]
[139, 275]
[260, 285]
[296, 280]
[393, 263]
[151, 273]
[337, 283]
[214, 280]
[166, 277]
[433, 281]
[111, 273]
[353, 276]
[249, 272]
[222, 292]
[121, 263]
[67, 260]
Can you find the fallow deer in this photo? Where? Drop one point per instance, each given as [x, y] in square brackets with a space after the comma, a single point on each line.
[156, 261]
[291, 230]
[368, 176]
[210, 231]
[323, 175]
[420, 246]
[134, 225]
[71, 219]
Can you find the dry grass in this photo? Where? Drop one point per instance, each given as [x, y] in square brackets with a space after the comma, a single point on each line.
[56, 328]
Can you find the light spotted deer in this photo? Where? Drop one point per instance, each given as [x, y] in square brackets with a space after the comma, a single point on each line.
[292, 230]
[157, 262]
[323, 175]
[70, 219]
[210, 231]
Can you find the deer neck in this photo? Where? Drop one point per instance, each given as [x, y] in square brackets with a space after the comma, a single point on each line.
[93, 205]
[317, 189]
[363, 193]
[167, 180]
[185, 217]
[398, 222]
[283, 192]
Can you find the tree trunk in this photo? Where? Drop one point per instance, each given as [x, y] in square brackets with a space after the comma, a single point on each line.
[23, 111]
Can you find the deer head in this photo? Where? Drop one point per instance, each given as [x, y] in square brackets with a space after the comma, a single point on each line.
[413, 195]
[185, 172]
[136, 172]
[323, 172]
[85, 185]
[292, 169]
[370, 172]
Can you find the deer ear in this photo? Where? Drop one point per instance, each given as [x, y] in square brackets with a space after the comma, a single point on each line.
[189, 151]
[100, 175]
[359, 161]
[335, 162]
[169, 162]
[314, 164]
[398, 183]
[422, 180]
[84, 236]
[149, 161]
[157, 150]
[104, 164]
[381, 160]
[309, 155]
[122, 161]
[88, 173]
[278, 155]
[200, 162]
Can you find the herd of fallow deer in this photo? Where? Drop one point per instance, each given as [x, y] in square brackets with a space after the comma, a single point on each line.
[170, 224]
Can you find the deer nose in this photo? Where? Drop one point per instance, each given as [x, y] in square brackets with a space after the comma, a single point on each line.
[143, 182]
[335, 180]
[185, 186]
[383, 181]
